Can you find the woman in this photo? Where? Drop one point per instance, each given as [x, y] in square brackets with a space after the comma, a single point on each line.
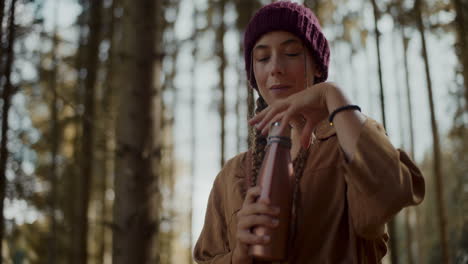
[350, 179]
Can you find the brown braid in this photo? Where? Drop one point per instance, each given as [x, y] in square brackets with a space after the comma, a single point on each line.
[259, 145]
[299, 165]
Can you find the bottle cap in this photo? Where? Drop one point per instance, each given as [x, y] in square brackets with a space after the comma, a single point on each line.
[274, 130]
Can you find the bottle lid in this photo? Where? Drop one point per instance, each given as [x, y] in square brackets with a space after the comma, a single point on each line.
[274, 130]
[282, 137]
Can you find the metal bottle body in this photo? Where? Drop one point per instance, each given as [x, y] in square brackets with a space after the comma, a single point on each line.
[276, 178]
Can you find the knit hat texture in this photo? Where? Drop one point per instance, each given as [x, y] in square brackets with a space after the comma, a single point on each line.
[294, 18]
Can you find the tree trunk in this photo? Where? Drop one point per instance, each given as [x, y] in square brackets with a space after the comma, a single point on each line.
[379, 63]
[88, 128]
[193, 151]
[55, 138]
[436, 145]
[245, 10]
[405, 41]
[137, 195]
[461, 9]
[391, 223]
[72, 188]
[239, 102]
[409, 239]
[397, 85]
[441, 211]
[6, 96]
[108, 135]
[2, 10]
[222, 66]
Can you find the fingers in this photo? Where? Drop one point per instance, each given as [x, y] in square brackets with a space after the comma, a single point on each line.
[260, 208]
[254, 214]
[288, 116]
[252, 195]
[272, 114]
[246, 237]
[266, 128]
[246, 224]
[258, 117]
[268, 115]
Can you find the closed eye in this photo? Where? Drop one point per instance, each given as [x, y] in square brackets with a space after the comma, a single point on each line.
[263, 59]
[292, 54]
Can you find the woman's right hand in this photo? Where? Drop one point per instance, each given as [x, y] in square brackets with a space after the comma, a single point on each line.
[250, 215]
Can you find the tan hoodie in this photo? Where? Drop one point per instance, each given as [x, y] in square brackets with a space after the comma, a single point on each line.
[343, 206]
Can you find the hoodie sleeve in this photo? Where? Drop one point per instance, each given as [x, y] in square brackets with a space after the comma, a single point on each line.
[381, 181]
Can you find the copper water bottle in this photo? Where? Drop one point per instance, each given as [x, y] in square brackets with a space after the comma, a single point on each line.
[276, 178]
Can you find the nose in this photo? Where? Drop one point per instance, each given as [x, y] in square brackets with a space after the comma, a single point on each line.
[277, 66]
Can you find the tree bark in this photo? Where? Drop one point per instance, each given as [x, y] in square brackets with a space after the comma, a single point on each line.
[461, 9]
[108, 135]
[379, 62]
[72, 188]
[138, 156]
[55, 138]
[88, 128]
[6, 96]
[441, 210]
[245, 10]
[391, 223]
[2, 10]
[193, 151]
[222, 66]
[409, 239]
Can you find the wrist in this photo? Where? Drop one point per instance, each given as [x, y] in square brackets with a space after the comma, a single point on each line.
[334, 97]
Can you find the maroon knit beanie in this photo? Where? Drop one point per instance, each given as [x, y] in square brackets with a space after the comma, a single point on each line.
[294, 18]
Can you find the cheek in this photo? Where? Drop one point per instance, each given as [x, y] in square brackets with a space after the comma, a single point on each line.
[260, 74]
[296, 71]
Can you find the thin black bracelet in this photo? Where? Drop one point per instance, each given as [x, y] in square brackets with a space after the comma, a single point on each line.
[343, 108]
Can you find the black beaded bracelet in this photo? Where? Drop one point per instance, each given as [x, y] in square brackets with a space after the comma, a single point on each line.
[343, 108]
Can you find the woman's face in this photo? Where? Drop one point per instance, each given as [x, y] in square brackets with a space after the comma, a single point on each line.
[279, 64]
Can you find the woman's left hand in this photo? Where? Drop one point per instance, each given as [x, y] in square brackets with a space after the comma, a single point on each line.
[305, 109]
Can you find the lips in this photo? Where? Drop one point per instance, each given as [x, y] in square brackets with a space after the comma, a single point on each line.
[279, 87]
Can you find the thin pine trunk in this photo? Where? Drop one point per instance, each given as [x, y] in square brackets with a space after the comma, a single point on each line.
[461, 21]
[405, 41]
[409, 233]
[2, 9]
[222, 66]
[397, 86]
[72, 188]
[239, 100]
[441, 210]
[108, 136]
[138, 163]
[52, 252]
[370, 92]
[379, 61]
[172, 163]
[245, 10]
[193, 104]
[6, 96]
[88, 128]
[391, 223]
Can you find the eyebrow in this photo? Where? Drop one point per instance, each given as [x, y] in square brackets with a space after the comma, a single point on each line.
[284, 43]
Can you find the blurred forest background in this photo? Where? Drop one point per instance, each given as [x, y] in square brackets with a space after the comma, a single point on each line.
[117, 114]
